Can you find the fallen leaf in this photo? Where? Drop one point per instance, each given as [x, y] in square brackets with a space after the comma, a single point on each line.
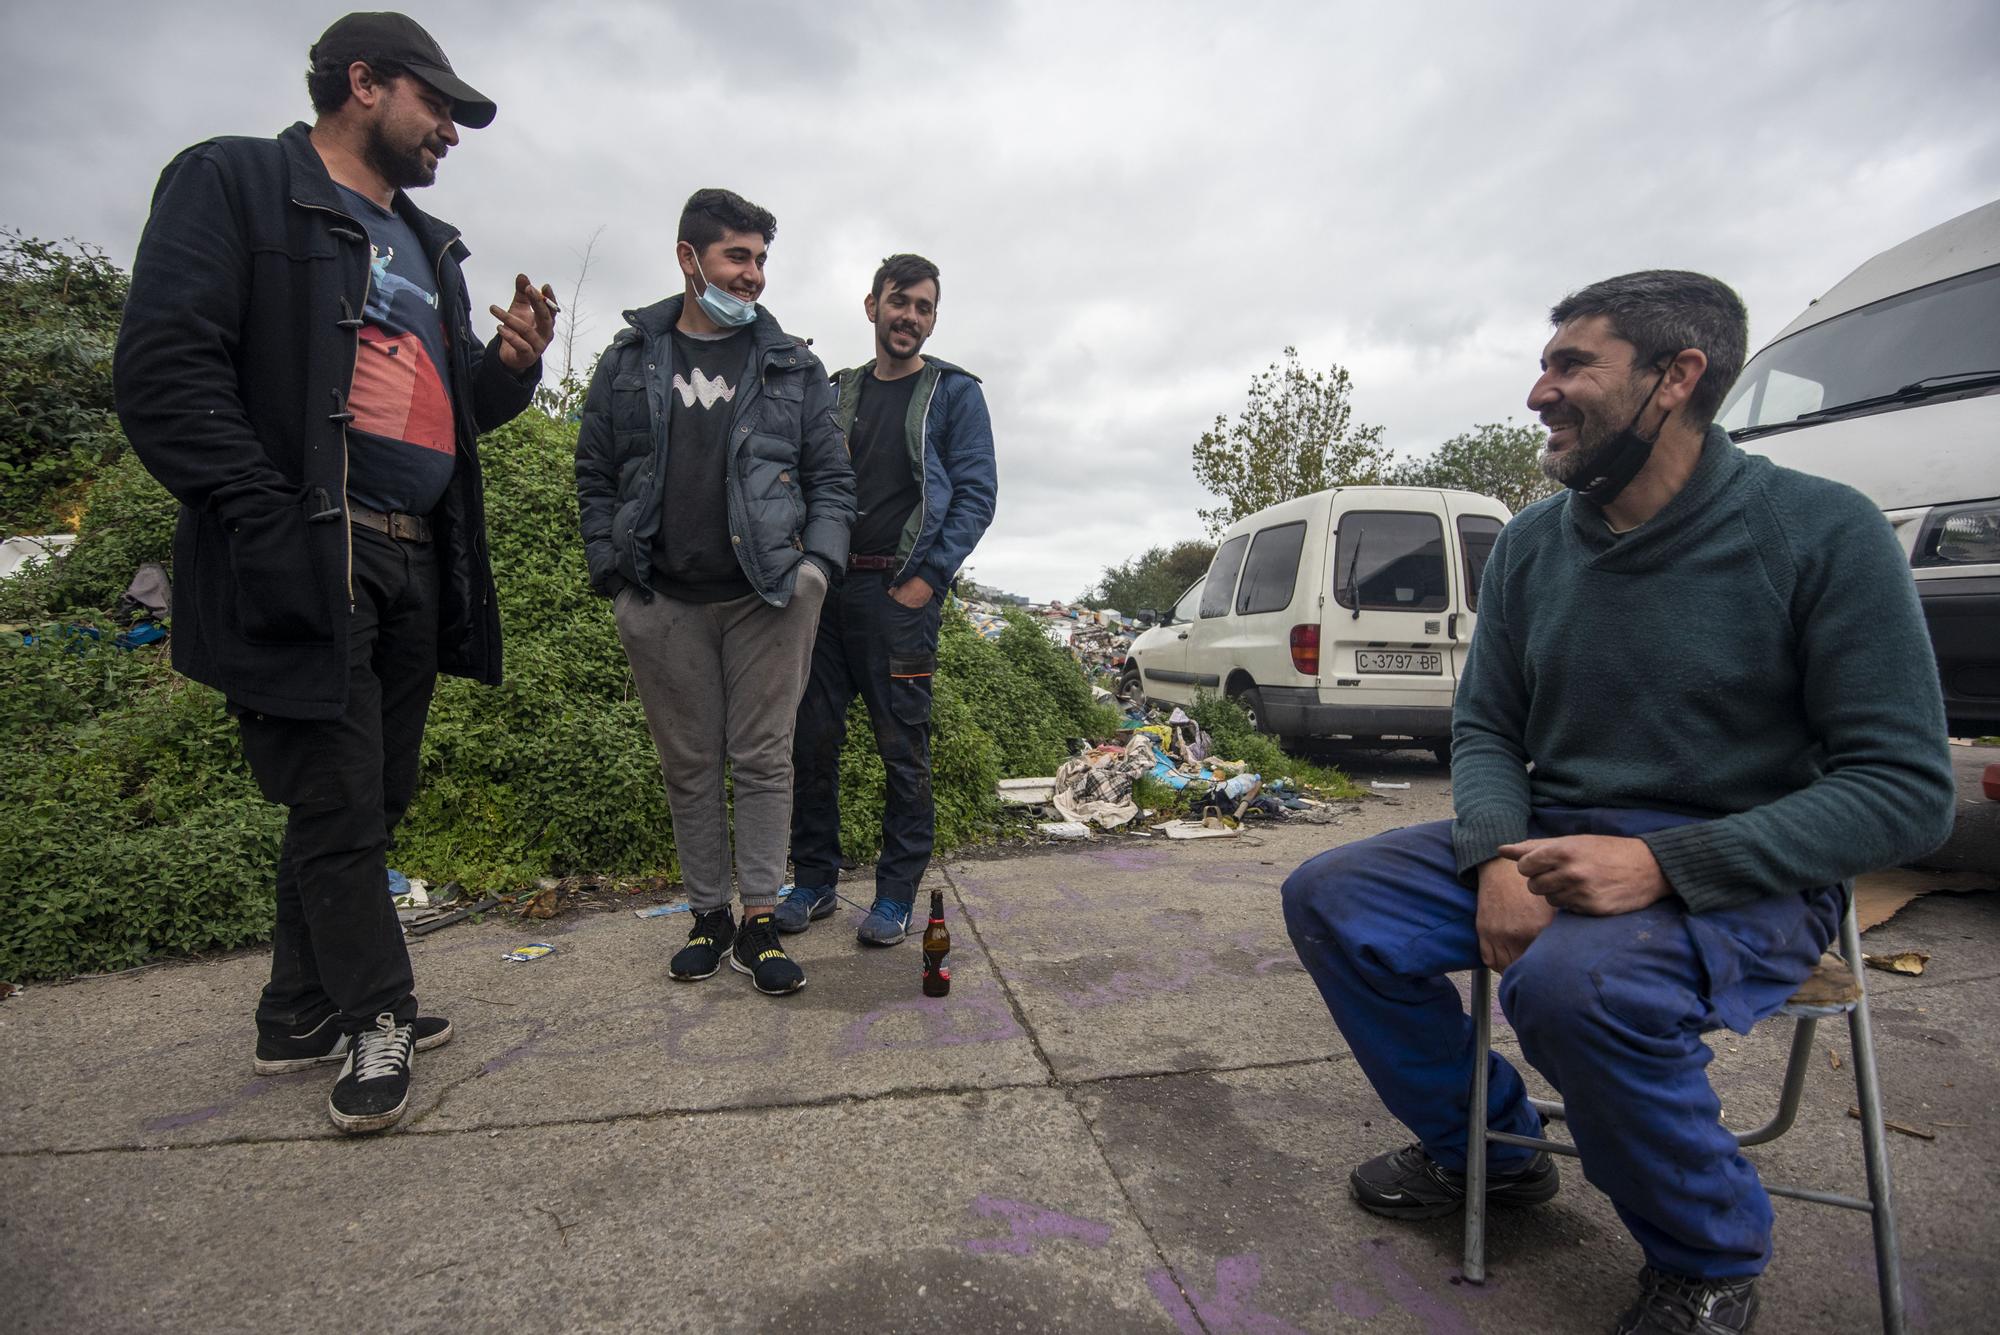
[1903, 961]
[1833, 1059]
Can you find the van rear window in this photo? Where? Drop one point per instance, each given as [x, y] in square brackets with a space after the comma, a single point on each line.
[1221, 586]
[1390, 561]
[1272, 570]
[1476, 536]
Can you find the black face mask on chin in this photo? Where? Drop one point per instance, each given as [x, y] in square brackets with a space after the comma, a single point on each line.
[1619, 459]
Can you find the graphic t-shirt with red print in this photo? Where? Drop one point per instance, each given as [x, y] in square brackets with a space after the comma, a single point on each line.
[401, 445]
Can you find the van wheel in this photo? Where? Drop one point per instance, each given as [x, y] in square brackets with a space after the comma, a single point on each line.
[1131, 693]
[1441, 748]
[1252, 704]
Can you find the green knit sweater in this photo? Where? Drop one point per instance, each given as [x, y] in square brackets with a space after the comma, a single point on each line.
[1754, 654]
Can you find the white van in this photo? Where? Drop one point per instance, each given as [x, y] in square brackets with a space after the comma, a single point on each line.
[1891, 383]
[1346, 613]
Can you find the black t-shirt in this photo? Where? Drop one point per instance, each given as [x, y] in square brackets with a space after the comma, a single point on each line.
[886, 489]
[403, 442]
[693, 559]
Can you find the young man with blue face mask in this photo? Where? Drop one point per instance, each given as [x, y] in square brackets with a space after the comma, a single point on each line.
[715, 497]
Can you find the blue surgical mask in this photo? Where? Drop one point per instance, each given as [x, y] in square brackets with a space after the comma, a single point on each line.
[725, 308]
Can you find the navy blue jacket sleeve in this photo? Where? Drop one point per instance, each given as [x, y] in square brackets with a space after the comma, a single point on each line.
[966, 451]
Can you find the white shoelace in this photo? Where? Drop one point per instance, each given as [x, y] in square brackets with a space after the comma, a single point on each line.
[383, 1050]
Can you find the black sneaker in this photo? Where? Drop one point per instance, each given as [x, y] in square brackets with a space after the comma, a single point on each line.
[280, 1053]
[1678, 1305]
[374, 1085]
[708, 939]
[1409, 1184]
[758, 954]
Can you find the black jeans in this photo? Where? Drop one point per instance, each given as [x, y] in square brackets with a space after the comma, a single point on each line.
[337, 945]
[872, 645]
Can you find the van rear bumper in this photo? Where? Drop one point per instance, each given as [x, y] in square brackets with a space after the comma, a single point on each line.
[1964, 619]
[1296, 711]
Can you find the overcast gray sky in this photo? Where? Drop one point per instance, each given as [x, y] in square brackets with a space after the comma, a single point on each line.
[1136, 206]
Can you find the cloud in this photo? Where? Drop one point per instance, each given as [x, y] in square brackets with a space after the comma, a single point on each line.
[1135, 206]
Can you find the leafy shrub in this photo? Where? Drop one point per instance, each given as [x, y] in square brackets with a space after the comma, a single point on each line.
[132, 824]
[1235, 739]
[59, 309]
[136, 828]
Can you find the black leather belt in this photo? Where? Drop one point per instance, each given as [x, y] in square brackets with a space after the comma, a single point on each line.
[402, 527]
[872, 563]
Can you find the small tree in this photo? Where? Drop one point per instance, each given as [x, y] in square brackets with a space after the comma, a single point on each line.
[1295, 436]
[1498, 459]
[1153, 579]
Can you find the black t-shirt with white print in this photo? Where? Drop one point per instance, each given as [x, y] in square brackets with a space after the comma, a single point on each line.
[693, 559]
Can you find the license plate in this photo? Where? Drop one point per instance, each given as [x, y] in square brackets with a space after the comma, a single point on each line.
[1398, 660]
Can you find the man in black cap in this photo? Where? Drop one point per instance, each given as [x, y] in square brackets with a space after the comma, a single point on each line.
[297, 367]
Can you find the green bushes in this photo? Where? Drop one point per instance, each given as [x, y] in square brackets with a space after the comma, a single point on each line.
[134, 827]
[59, 309]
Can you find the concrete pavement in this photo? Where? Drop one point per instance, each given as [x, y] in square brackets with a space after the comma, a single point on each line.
[1132, 1113]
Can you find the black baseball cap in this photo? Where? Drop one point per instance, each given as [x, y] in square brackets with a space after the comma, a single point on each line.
[389, 36]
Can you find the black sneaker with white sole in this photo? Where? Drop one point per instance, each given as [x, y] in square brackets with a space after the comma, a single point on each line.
[280, 1052]
[708, 942]
[758, 954]
[1409, 1184]
[1682, 1305]
[374, 1085]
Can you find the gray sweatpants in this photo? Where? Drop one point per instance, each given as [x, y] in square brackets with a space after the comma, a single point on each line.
[721, 682]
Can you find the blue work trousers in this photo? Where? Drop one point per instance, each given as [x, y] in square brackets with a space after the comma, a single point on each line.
[1609, 1009]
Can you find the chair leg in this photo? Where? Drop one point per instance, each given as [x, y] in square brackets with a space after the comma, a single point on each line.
[1474, 1268]
[1875, 1149]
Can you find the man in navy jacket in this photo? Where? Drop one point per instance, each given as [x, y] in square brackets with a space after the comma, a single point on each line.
[924, 489]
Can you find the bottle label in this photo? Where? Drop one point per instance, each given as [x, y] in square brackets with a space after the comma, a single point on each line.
[939, 964]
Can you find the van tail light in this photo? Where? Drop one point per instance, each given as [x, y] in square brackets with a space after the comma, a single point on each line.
[1305, 650]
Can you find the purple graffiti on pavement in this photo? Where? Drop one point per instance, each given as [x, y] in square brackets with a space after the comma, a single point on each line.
[1226, 1311]
[256, 1088]
[1409, 1293]
[973, 1015]
[1028, 1224]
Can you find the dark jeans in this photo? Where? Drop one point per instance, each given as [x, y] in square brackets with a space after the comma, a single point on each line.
[872, 645]
[1611, 1010]
[337, 945]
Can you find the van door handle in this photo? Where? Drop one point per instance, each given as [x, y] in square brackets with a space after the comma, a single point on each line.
[1181, 636]
[1451, 628]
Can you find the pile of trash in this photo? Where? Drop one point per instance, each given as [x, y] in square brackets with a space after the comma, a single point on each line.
[1099, 787]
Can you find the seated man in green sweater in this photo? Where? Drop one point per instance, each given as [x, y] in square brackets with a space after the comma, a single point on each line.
[1699, 696]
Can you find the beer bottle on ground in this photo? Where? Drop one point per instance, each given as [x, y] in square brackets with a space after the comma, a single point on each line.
[937, 950]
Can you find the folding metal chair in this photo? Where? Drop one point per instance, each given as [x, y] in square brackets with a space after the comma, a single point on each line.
[1833, 989]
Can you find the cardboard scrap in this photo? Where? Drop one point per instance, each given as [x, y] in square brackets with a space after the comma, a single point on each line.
[1880, 895]
[1911, 962]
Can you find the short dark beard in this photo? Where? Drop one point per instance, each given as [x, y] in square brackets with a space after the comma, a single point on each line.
[1574, 462]
[402, 169]
[882, 346]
